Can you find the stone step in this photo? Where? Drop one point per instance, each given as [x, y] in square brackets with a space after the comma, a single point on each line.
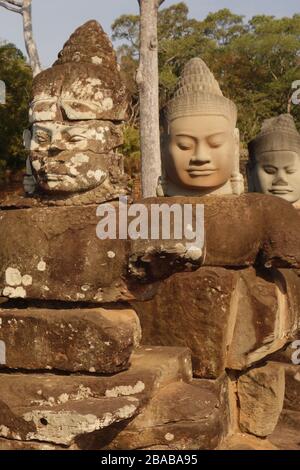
[87, 340]
[58, 408]
[180, 416]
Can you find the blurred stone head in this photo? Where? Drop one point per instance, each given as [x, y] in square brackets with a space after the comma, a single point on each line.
[274, 159]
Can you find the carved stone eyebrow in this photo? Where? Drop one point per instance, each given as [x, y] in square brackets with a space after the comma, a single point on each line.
[76, 131]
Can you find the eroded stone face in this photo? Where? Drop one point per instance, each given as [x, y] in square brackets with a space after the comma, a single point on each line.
[77, 108]
[278, 173]
[69, 156]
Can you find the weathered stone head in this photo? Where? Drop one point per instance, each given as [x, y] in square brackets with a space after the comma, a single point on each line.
[202, 155]
[76, 110]
[274, 159]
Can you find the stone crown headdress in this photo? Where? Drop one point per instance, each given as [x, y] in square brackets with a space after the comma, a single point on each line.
[198, 93]
[84, 82]
[277, 133]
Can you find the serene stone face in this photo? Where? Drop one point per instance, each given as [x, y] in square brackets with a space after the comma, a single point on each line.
[278, 173]
[201, 151]
[70, 156]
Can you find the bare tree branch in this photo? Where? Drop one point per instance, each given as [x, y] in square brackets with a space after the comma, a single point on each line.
[17, 3]
[29, 40]
[10, 7]
[23, 7]
[147, 81]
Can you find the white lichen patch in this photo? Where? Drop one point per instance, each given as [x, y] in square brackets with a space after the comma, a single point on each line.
[97, 60]
[41, 266]
[13, 277]
[107, 104]
[97, 175]
[80, 296]
[79, 159]
[98, 297]
[14, 293]
[100, 134]
[61, 427]
[27, 280]
[125, 390]
[169, 437]
[98, 95]
[194, 253]
[36, 165]
[85, 288]
[53, 184]
[82, 394]
[111, 254]
[63, 398]
[73, 171]
[94, 81]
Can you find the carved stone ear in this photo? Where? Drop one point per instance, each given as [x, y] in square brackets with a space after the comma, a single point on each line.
[237, 143]
[27, 139]
[237, 179]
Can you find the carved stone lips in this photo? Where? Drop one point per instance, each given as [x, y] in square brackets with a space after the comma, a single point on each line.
[201, 171]
[280, 191]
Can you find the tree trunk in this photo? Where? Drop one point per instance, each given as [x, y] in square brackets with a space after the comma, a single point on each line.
[29, 40]
[147, 80]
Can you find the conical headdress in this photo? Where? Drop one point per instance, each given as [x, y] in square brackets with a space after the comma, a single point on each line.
[84, 83]
[278, 133]
[198, 93]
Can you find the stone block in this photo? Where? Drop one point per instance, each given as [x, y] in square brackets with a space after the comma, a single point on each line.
[266, 316]
[261, 396]
[193, 310]
[58, 408]
[286, 435]
[179, 417]
[89, 340]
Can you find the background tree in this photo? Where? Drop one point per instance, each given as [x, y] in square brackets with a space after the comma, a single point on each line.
[23, 7]
[17, 75]
[147, 81]
[254, 61]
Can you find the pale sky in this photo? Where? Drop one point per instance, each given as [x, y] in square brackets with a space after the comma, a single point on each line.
[55, 20]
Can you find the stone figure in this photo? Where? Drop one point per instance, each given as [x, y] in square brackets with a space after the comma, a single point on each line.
[274, 159]
[242, 305]
[72, 304]
[76, 114]
[65, 315]
[202, 145]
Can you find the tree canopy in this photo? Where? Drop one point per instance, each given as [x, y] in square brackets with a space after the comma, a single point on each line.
[17, 76]
[255, 61]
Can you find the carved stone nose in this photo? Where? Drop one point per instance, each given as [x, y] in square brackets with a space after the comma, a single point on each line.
[279, 181]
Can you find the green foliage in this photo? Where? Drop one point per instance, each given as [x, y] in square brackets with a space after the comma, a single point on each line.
[131, 151]
[17, 77]
[255, 62]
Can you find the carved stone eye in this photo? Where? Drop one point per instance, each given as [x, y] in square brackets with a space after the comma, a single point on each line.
[42, 138]
[184, 147]
[77, 138]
